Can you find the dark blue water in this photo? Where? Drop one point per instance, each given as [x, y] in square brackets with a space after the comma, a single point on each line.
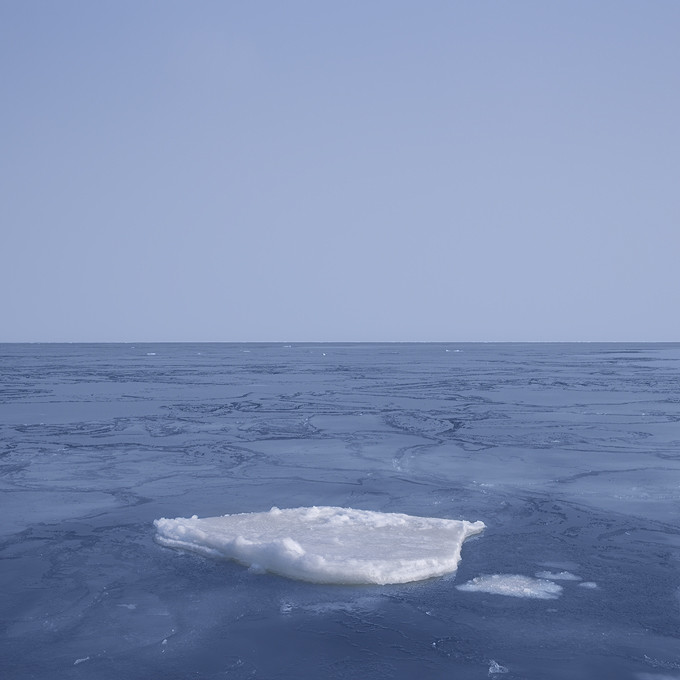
[569, 453]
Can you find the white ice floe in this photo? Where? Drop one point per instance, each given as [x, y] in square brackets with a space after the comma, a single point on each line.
[558, 576]
[327, 544]
[513, 585]
[588, 584]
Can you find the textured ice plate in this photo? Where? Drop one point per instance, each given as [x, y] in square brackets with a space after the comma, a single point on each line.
[327, 544]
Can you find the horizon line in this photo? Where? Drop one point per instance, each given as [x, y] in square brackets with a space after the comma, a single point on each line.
[330, 342]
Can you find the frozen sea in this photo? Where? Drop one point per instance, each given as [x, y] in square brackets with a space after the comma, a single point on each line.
[569, 454]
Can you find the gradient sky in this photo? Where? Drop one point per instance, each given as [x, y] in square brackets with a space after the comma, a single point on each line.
[332, 171]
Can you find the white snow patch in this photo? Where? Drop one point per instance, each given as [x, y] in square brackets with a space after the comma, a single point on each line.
[513, 585]
[77, 661]
[558, 576]
[327, 544]
[589, 584]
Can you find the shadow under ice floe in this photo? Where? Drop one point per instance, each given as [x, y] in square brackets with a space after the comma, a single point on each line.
[327, 544]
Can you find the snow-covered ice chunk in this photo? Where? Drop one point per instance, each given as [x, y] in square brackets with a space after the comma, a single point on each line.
[327, 544]
[588, 584]
[513, 585]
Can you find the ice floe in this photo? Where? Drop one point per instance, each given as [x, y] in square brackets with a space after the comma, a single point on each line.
[513, 585]
[327, 544]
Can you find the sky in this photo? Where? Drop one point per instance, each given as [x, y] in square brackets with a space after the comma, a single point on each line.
[363, 170]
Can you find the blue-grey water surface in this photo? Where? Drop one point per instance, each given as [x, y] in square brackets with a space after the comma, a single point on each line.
[570, 453]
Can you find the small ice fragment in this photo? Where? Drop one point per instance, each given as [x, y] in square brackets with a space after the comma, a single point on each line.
[165, 641]
[496, 668]
[558, 576]
[588, 584]
[562, 565]
[128, 606]
[151, 354]
[77, 661]
[513, 585]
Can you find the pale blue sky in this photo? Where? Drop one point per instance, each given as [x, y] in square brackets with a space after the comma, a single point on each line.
[351, 170]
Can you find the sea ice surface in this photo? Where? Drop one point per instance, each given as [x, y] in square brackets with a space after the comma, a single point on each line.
[558, 576]
[327, 544]
[513, 585]
[569, 451]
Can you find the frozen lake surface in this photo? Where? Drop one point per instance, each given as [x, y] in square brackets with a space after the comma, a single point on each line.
[569, 454]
